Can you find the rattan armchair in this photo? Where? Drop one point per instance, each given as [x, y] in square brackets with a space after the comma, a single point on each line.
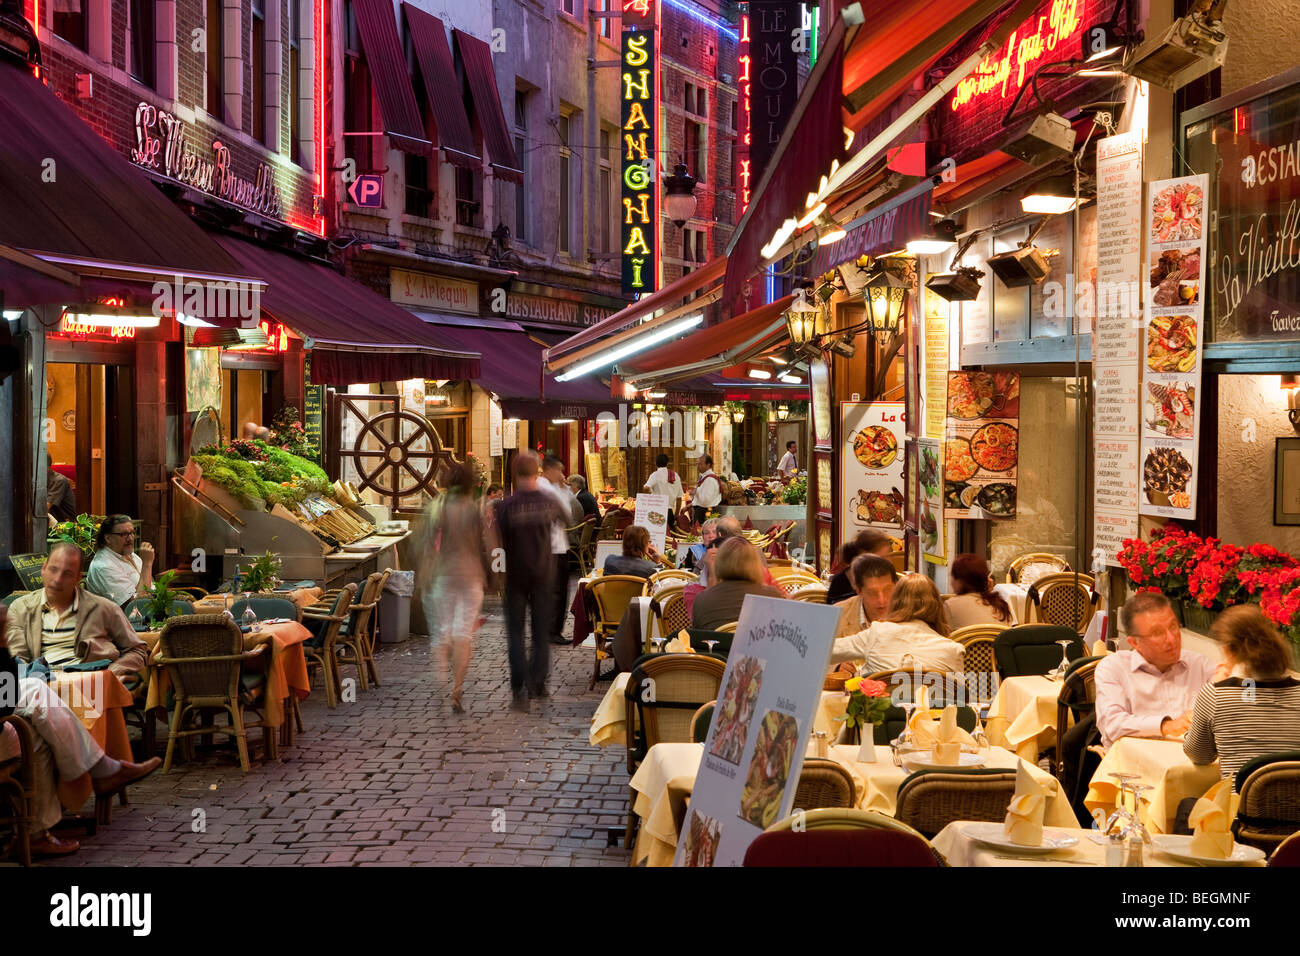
[1077, 699]
[978, 640]
[356, 641]
[610, 595]
[1057, 562]
[670, 577]
[810, 593]
[204, 654]
[792, 579]
[842, 837]
[823, 783]
[581, 550]
[1270, 800]
[320, 650]
[929, 800]
[669, 607]
[1065, 599]
[700, 722]
[18, 785]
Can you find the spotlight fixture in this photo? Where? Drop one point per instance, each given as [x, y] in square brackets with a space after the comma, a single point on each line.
[1191, 47]
[790, 379]
[759, 373]
[843, 346]
[1052, 196]
[943, 236]
[960, 285]
[1048, 137]
[1024, 266]
[829, 231]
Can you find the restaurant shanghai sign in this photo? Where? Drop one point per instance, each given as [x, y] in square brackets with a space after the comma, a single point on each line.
[640, 81]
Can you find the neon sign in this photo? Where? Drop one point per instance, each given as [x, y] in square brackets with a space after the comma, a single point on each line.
[744, 60]
[1004, 73]
[80, 330]
[640, 82]
[639, 13]
[277, 336]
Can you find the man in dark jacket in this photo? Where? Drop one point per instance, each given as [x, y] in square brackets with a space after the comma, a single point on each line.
[590, 508]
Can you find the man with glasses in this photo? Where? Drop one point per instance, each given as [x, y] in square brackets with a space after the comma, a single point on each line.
[117, 571]
[1149, 691]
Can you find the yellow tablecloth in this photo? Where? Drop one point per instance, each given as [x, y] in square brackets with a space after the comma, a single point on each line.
[960, 850]
[832, 705]
[98, 698]
[608, 723]
[216, 603]
[1160, 764]
[1022, 716]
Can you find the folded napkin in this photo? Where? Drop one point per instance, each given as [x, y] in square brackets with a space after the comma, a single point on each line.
[1211, 820]
[681, 644]
[943, 735]
[1100, 649]
[1024, 821]
[87, 665]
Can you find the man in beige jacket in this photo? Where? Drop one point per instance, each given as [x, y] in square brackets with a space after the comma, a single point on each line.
[65, 624]
[873, 579]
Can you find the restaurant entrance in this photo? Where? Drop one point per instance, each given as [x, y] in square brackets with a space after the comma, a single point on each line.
[89, 433]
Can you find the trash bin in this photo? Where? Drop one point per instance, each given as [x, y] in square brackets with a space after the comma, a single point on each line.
[395, 607]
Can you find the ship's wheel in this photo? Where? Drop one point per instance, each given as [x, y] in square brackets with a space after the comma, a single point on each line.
[400, 466]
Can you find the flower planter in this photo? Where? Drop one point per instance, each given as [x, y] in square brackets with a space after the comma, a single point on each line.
[1197, 618]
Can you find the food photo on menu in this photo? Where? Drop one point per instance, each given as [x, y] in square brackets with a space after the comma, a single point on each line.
[872, 466]
[760, 801]
[1175, 275]
[981, 447]
[702, 835]
[736, 707]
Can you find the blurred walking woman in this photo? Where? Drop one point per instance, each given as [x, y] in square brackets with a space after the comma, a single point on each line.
[1252, 707]
[456, 567]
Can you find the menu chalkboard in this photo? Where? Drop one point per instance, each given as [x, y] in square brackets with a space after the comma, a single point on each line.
[28, 567]
[314, 418]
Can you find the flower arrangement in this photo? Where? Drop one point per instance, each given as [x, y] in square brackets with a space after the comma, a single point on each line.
[868, 702]
[480, 473]
[81, 531]
[263, 574]
[796, 492]
[289, 434]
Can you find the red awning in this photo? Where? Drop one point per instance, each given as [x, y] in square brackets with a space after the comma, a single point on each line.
[355, 335]
[888, 227]
[762, 328]
[26, 281]
[433, 53]
[390, 75]
[671, 294]
[477, 57]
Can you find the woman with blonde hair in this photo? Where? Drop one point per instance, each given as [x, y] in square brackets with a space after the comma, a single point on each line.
[914, 633]
[738, 570]
[1253, 706]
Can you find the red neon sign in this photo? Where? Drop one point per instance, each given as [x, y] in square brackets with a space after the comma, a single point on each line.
[744, 60]
[80, 330]
[1004, 73]
[277, 336]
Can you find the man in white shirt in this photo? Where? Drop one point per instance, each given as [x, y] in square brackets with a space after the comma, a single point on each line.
[553, 483]
[1150, 690]
[116, 571]
[788, 467]
[664, 481]
[708, 490]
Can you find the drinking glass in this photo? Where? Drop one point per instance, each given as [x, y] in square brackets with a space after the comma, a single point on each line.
[136, 618]
[1059, 671]
[658, 643]
[249, 617]
[712, 645]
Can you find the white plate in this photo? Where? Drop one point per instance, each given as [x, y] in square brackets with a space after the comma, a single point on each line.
[994, 835]
[924, 760]
[1180, 848]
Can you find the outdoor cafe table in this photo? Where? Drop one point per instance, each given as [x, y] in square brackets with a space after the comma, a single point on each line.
[1159, 764]
[286, 672]
[1022, 715]
[673, 766]
[98, 698]
[609, 722]
[959, 849]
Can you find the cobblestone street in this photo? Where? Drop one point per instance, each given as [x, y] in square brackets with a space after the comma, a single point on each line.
[396, 778]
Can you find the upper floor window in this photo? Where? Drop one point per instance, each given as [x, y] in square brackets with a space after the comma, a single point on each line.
[141, 52]
[214, 38]
[295, 81]
[258, 63]
[70, 22]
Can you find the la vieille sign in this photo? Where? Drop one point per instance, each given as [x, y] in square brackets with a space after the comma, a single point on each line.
[160, 145]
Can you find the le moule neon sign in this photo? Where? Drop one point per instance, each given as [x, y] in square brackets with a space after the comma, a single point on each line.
[1002, 74]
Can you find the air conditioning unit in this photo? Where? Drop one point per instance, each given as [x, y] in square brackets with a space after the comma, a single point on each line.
[726, 78]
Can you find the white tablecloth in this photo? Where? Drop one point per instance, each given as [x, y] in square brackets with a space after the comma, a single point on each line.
[960, 850]
[608, 723]
[1159, 764]
[1022, 716]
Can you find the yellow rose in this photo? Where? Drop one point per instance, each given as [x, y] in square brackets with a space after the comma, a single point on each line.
[852, 683]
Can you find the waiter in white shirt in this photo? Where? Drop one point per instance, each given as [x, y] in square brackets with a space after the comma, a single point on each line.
[708, 490]
[788, 467]
[664, 481]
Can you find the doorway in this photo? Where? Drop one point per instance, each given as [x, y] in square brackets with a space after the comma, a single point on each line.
[90, 433]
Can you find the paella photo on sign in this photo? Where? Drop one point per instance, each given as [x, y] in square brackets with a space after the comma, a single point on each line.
[875, 446]
[736, 707]
[994, 446]
[769, 769]
[970, 394]
[1171, 343]
[959, 464]
[702, 835]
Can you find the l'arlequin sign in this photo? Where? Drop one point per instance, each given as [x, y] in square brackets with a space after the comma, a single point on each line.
[640, 208]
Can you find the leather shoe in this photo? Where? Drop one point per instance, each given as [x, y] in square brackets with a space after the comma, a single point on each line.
[47, 844]
[129, 773]
[562, 641]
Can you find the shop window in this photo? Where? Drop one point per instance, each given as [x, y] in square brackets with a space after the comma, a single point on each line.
[258, 65]
[141, 64]
[70, 23]
[215, 39]
[419, 197]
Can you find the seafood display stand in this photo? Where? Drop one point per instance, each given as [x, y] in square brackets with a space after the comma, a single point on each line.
[764, 516]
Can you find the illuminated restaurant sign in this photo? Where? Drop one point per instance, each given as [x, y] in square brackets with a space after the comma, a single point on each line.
[1053, 33]
[73, 329]
[745, 60]
[640, 83]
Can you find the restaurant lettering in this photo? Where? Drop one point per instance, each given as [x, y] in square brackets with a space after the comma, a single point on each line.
[640, 82]
[777, 75]
[1004, 73]
[160, 145]
[433, 291]
[1260, 255]
[1270, 165]
[744, 173]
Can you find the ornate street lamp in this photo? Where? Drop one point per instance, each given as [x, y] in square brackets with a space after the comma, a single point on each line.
[679, 195]
[805, 319]
[782, 412]
[738, 415]
[885, 294]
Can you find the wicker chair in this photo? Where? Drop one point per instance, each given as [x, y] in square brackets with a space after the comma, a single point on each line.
[792, 579]
[204, 654]
[683, 683]
[18, 786]
[356, 640]
[823, 783]
[609, 595]
[671, 577]
[978, 640]
[929, 800]
[1287, 853]
[1031, 649]
[1078, 698]
[810, 593]
[612, 525]
[842, 837]
[1058, 599]
[670, 608]
[1057, 562]
[268, 609]
[728, 628]
[700, 722]
[1270, 800]
[320, 650]
[580, 538]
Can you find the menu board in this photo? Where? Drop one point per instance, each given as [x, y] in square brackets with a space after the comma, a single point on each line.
[759, 733]
[595, 472]
[981, 445]
[28, 567]
[1172, 339]
[313, 418]
[1116, 348]
[510, 433]
[652, 514]
[938, 316]
[494, 429]
[202, 379]
[871, 468]
[930, 523]
[819, 377]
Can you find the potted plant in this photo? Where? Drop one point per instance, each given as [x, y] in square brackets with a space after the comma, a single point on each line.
[262, 575]
[81, 531]
[160, 599]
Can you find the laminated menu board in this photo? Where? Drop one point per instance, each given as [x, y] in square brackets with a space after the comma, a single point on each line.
[754, 750]
[652, 514]
[871, 468]
[981, 448]
[929, 480]
[1171, 344]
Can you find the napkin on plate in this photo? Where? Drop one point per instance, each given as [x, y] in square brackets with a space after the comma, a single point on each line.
[1211, 820]
[942, 735]
[1024, 821]
[681, 644]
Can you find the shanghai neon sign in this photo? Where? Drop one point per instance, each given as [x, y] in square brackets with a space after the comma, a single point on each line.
[1004, 73]
[640, 82]
[744, 59]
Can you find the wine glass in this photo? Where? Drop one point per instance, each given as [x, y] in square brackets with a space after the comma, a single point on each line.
[249, 617]
[712, 645]
[136, 618]
[658, 643]
[1058, 672]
